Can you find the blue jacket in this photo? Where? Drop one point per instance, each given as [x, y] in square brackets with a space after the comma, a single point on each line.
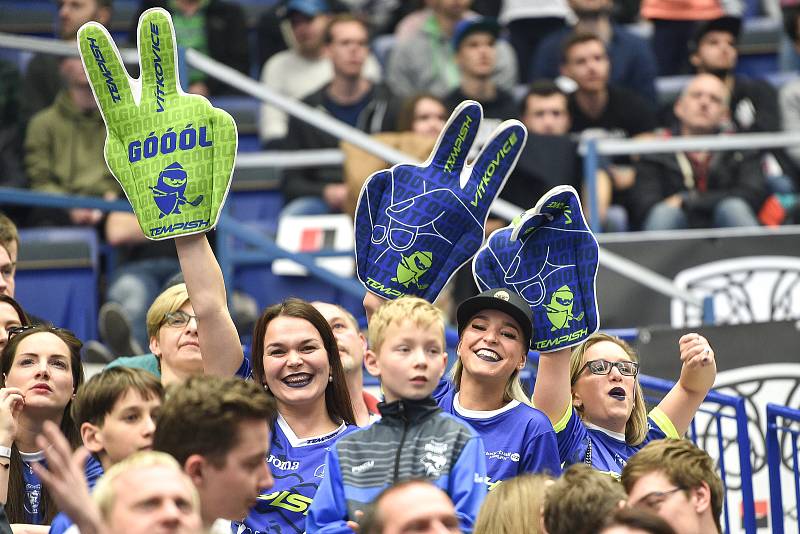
[633, 64]
[417, 440]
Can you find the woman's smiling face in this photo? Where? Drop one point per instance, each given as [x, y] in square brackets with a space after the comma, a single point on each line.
[492, 346]
[296, 367]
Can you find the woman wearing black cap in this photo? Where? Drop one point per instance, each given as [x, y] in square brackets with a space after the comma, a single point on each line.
[494, 336]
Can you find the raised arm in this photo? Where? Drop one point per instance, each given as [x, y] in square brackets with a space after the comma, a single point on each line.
[219, 340]
[552, 392]
[698, 372]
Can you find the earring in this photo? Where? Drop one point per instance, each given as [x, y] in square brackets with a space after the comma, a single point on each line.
[330, 378]
[266, 387]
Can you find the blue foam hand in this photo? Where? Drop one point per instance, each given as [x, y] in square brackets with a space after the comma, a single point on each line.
[548, 255]
[416, 225]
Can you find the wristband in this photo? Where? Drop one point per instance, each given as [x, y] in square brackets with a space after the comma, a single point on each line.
[5, 452]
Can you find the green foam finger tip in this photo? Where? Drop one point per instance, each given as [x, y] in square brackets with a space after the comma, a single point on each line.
[172, 153]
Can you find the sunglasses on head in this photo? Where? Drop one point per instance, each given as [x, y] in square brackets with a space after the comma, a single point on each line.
[15, 330]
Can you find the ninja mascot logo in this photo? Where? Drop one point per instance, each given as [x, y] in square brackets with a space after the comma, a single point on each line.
[169, 192]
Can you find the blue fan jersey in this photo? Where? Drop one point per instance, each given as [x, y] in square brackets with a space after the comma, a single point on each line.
[530, 448]
[297, 466]
[33, 488]
[580, 442]
[93, 471]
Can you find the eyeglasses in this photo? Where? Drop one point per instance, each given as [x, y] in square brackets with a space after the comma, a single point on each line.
[178, 319]
[603, 367]
[653, 501]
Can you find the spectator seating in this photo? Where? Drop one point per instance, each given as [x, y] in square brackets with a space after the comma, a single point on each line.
[57, 277]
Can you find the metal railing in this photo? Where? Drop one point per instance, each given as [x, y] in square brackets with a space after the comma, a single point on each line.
[720, 408]
[592, 149]
[775, 459]
[332, 126]
[726, 408]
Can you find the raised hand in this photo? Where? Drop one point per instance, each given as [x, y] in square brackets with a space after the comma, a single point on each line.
[173, 153]
[548, 256]
[699, 368]
[11, 403]
[416, 225]
[65, 479]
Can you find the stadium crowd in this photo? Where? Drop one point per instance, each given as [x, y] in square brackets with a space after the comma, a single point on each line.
[185, 431]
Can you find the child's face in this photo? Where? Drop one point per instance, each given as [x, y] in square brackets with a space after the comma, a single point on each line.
[410, 361]
[127, 429]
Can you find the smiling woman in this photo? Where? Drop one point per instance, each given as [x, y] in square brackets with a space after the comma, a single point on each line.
[295, 358]
[485, 389]
[41, 369]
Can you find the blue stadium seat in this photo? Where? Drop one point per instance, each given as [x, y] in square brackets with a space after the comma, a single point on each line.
[267, 288]
[57, 277]
[259, 208]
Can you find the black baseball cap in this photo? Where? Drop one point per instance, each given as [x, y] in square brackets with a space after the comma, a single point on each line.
[503, 300]
[732, 25]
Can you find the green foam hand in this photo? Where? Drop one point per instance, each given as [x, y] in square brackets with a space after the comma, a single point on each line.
[173, 153]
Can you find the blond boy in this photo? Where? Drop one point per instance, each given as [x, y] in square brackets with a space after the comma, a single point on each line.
[417, 439]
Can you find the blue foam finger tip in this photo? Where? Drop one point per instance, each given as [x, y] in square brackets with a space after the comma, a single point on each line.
[433, 226]
[549, 257]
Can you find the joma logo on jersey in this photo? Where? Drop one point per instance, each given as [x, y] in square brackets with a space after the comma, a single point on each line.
[111, 85]
[492, 168]
[563, 339]
[283, 465]
[294, 502]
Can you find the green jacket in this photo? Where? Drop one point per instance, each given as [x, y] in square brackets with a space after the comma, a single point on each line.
[64, 151]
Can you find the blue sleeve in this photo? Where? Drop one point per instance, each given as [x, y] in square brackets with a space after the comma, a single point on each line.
[60, 523]
[467, 485]
[571, 437]
[93, 470]
[541, 451]
[328, 510]
[547, 57]
[644, 71]
[442, 388]
[245, 370]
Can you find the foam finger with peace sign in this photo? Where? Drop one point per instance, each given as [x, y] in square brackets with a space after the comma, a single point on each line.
[173, 153]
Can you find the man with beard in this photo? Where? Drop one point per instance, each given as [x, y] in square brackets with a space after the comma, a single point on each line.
[42, 77]
[633, 64]
[352, 345]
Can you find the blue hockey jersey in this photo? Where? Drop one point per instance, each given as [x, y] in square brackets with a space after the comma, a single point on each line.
[580, 442]
[297, 466]
[93, 471]
[517, 438]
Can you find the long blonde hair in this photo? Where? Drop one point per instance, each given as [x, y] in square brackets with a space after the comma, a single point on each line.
[512, 391]
[514, 506]
[636, 427]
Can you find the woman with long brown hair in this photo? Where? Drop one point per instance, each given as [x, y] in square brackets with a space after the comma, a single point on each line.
[296, 359]
[41, 370]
